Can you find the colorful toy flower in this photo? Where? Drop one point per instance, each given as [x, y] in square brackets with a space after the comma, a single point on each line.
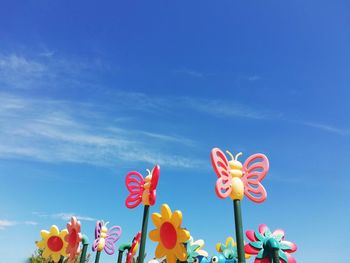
[142, 190]
[229, 249]
[53, 243]
[169, 234]
[194, 249]
[74, 237]
[264, 243]
[134, 246]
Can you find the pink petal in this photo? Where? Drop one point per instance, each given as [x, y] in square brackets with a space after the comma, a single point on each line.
[250, 250]
[290, 258]
[251, 236]
[263, 228]
[278, 232]
[291, 244]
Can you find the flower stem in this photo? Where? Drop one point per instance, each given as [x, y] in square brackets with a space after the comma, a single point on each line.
[143, 234]
[121, 249]
[85, 242]
[61, 259]
[97, 258]
[239, 230]
[275, 256]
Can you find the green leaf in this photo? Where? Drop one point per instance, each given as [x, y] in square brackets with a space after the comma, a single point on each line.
[283, 256]
[257, 244]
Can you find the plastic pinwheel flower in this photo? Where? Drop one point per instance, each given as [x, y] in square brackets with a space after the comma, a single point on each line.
[53, 243]
[264, 244]
[229, 249]
[169, 234]
[194, 249]
[73, 238]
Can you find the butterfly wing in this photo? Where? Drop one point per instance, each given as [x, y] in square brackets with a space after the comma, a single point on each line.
[154, 183]
[98, 229]
[255, 169]
[95, 244]
[134, 183]
[220, 164]
[113, 235]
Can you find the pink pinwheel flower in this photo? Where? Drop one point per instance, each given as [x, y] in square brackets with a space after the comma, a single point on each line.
[260, 245]
[73, 238]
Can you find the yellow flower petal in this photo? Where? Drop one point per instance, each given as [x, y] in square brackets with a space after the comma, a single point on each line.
[171, 258]
[56, 257]
[63, 233]
[176, 219]
[230, 240]
[180, 252]
[40, 244]
[54, 231]
[44, 234]
[46, 253]
[182, 235]
[218, 247]
[156, 219]
[160, 251]
[166, 212]
[154, 235]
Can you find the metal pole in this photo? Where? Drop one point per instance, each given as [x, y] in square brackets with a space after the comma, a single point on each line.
[239, 230]
[143, 234]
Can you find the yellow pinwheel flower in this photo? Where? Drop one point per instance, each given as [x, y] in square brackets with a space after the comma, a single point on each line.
[53, 243]
[169, 234]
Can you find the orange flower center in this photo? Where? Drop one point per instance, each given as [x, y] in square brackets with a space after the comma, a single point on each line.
[55, 243]
[168, 235]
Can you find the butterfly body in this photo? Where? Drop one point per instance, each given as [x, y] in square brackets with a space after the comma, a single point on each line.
[105, 238]
[236, 180]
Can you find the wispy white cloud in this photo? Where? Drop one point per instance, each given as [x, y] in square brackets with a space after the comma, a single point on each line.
[7, 223]
[254, 78]
[54, 130]
[190, 72]
[64, 216]
[31, 223]
[61, 131]
[327, 128]
[10, 223]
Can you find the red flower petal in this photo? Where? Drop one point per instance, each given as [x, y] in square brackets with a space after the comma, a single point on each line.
[250, 250]
[251, 236]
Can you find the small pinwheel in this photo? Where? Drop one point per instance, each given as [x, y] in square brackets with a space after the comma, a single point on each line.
[194, 249]
[269, 246]
[229, 249]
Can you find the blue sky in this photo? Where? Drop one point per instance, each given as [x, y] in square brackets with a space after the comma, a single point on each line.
[90, 91]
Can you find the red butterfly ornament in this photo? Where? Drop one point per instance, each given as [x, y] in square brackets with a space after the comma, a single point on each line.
[142, 189]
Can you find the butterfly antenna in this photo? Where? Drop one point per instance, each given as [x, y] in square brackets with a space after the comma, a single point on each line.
[229, 153]
[237, 155]
[148, 171]
[106, 224]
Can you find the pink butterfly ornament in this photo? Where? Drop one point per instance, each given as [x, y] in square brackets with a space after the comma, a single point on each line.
[236, 179]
